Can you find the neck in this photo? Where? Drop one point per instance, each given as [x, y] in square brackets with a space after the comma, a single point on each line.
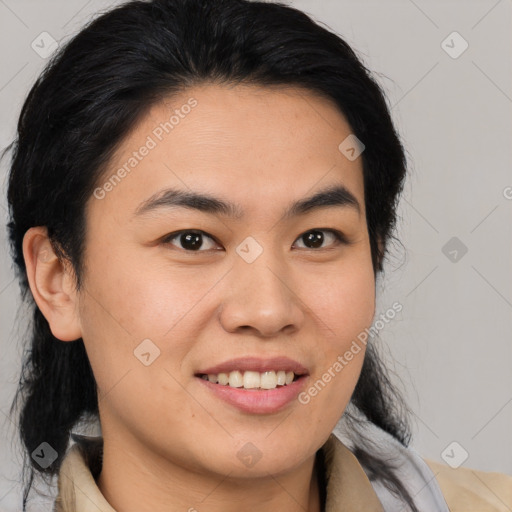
[158, 484]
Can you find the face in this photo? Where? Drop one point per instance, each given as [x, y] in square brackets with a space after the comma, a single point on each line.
[175, 288]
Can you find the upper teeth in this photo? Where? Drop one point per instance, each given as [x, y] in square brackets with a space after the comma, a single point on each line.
[251, 380]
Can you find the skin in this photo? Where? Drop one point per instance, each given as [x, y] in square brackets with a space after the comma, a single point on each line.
[169, 443]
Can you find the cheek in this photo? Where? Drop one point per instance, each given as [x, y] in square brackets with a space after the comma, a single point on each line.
[119, 313]
[344, 302]
[344, 305]
[141, 299]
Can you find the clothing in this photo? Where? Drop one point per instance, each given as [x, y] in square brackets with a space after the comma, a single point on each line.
[78, 491]
[474, 491]
[348, 487]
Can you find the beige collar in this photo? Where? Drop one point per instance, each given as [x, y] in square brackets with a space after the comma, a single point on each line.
[348, 487]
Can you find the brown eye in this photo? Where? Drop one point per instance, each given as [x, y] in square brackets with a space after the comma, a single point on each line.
[315, 238]
[195, 240]
[191, 240]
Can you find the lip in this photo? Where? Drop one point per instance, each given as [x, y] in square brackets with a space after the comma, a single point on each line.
[257, 401]
[256, 364]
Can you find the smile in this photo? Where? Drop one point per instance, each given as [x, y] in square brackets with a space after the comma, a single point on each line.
[251, 379]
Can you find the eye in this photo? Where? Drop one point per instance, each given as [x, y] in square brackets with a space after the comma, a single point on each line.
[190, 240]
[315, 238]
[193, 240]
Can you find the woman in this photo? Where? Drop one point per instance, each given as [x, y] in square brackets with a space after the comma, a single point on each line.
[201, 198]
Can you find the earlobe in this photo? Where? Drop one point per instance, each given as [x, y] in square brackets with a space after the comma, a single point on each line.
[52, 284]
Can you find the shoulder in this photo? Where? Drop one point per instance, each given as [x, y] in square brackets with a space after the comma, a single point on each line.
[468, 490]
[433, 485]
[407, 465]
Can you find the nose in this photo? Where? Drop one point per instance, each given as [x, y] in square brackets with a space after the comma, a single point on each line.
[261, 297]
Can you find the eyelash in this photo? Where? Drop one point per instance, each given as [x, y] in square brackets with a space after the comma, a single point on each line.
[340, 238]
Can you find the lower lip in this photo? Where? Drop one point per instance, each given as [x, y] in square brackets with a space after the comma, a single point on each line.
[257, 401]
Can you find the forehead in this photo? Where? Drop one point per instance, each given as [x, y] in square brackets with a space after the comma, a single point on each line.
[259, 145]
[249, 118]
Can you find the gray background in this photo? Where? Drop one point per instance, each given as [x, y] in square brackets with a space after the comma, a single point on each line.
[451, 344]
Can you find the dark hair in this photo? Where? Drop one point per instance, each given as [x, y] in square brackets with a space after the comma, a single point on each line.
[93, 92]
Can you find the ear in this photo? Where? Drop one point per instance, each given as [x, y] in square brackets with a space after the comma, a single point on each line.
[52, 284]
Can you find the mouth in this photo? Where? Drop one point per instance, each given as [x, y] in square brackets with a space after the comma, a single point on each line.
[254, 385]
[252, 380]
[254, 373]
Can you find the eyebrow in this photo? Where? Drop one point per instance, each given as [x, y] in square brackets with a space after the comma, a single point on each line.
[333, 196]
